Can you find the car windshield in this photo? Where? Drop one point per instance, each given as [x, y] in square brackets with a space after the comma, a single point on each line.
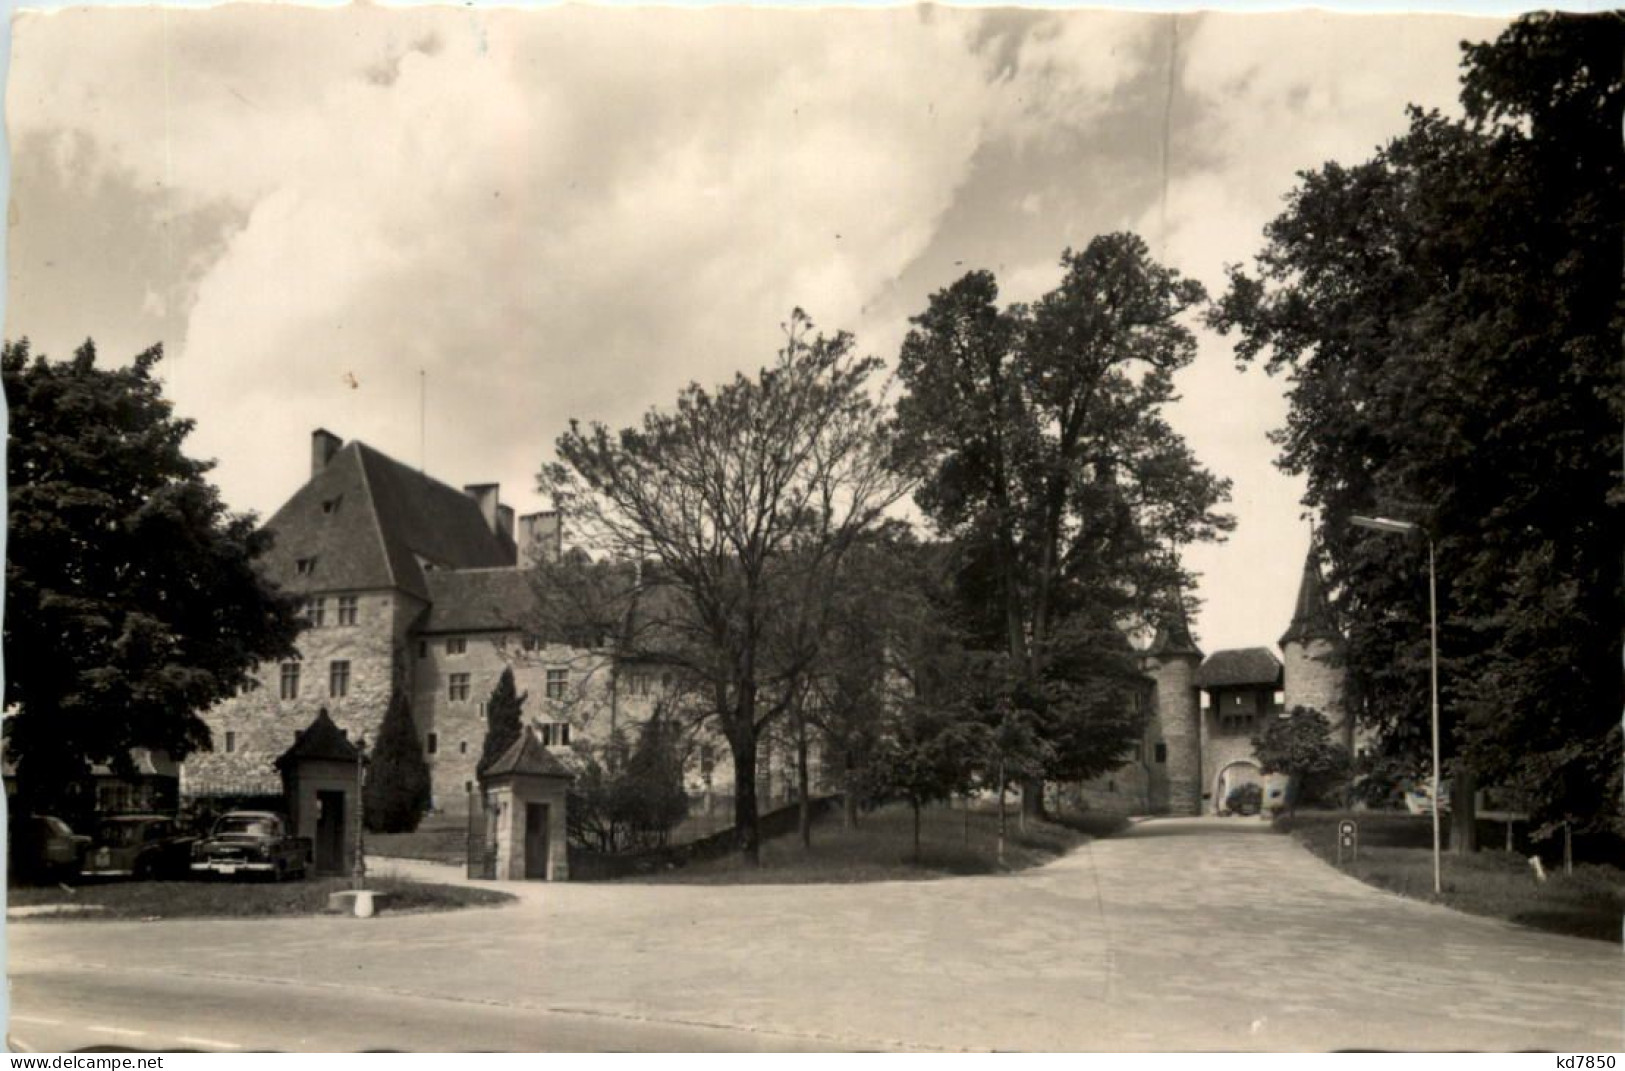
[250, 827]
[119, 834]
[57, 826]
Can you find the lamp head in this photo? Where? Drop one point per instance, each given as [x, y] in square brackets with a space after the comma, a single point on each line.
[1384, 524]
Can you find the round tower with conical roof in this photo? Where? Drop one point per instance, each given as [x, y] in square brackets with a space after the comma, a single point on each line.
[1312, 654]
[1171, 663]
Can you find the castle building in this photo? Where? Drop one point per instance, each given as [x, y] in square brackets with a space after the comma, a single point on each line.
[411, 587]
[1206, 710]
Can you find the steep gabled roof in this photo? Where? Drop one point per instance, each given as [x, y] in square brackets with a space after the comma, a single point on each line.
[321, 740]
[1312, 613]
[370, 522]
[526, 755]
[479, 600]
[1239, 667]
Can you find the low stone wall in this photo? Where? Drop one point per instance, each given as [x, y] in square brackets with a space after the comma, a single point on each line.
[597, 866]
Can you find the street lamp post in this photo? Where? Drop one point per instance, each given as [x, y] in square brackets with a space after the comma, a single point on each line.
[1384, 524]
[358, 871]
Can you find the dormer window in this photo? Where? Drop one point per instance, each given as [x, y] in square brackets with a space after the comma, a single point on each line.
[457, 645]
[331, 505]
[305, 566]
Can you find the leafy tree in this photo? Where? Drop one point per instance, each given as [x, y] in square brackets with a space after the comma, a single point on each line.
[892, 623]
[504, 719]
[1300, 745]
[397, 792]
[739, 507]
[133, 601]
[592, 816]
[1450, 316]
[926, 754]
[649, 796]
[1050, 464]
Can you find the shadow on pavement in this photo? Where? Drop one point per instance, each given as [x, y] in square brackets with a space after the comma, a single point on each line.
[1193, 827]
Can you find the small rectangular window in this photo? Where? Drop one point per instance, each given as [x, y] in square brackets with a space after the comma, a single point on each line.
[338, 679]
[555, 733]
[1162, 752]
[531, 643]
[457, 645]
[457, 687]
[305, 566]
[432, 744]
[331, 505]
[423, 648]
[318, 612]
[462, 747]
[231, 741]
[290, 680]
[347, 609]
[557, 681]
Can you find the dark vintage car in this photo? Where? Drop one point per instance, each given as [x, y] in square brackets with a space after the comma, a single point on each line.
[252, 843]
[139, 846]
[45, 848]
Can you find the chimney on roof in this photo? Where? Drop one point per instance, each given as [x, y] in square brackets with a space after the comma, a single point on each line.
[323, 445]
[486, 497]
[541, 537]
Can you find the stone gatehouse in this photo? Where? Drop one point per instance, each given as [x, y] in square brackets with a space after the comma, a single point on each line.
[1205, 710]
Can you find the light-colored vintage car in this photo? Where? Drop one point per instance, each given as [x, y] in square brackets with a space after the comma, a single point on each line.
[252, 843]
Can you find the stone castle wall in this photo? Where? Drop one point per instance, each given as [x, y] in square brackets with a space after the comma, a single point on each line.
[252, 729]
[459, 725]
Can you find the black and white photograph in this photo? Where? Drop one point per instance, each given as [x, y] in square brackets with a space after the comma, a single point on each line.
[914, 528]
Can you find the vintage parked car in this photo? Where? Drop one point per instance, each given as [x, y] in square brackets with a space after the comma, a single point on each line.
[252, 842]
[139, 845]
[45, 848]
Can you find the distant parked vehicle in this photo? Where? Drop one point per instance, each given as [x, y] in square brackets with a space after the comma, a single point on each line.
[141, 846]
[252, 842]
[47, 849]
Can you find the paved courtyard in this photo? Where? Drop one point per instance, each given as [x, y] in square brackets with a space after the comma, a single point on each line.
[1182, 934]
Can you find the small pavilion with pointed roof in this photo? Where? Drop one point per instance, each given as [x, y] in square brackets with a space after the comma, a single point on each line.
[321, 781]
[525, 790]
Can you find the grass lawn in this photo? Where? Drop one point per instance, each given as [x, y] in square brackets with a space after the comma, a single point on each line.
[1396, 854]
[953, 841]
[240, 899]
[439, 838]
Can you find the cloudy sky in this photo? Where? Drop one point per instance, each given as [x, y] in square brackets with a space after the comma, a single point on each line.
[572, 212]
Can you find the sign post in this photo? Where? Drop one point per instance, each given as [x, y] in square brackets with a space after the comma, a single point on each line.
[1348, 840]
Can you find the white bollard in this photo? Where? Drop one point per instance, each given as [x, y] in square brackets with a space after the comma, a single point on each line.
[364, 906]
[1540, 870]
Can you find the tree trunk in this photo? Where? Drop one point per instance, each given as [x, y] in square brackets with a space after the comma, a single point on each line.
[747, 832]
[916, 807]
[1001, 812]
[1032, 799]
[849, 801]
[802, 779]
[967, 820]
[1463, 811]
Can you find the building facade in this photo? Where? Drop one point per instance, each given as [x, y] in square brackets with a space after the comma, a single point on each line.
[409, 586]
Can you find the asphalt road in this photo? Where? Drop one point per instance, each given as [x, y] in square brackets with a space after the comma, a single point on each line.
[71, 1009]
[1185, 934]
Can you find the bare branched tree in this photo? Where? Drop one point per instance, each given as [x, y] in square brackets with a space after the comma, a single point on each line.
[738, 508]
